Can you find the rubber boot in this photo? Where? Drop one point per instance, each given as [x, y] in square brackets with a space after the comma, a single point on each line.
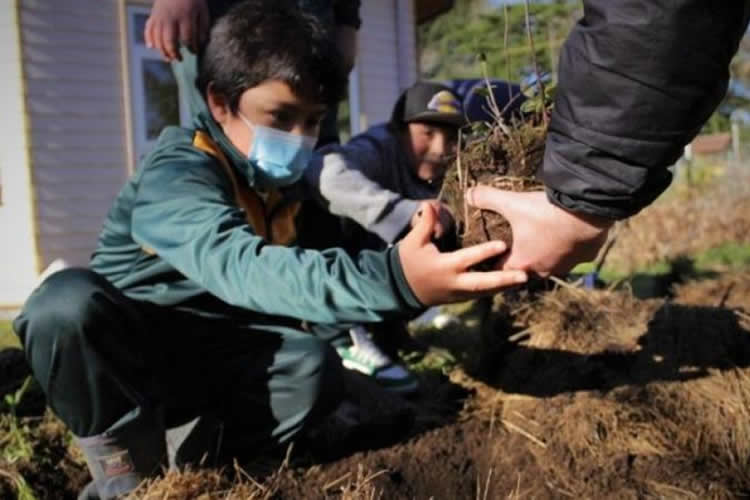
[120, 458]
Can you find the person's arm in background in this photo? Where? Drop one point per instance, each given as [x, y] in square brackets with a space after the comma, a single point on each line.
[637, 81]
[345, 179]
[172, 23]
[347, 21]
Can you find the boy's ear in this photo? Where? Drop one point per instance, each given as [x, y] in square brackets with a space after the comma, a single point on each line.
[218, 105]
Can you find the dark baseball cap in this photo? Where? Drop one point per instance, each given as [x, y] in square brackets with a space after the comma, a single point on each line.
[429, 102]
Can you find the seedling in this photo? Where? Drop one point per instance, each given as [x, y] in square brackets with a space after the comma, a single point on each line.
[15, 443]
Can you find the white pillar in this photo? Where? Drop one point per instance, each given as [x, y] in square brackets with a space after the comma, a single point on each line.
[19, 260]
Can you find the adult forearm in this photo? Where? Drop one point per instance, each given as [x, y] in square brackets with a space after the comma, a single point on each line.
[638, 79]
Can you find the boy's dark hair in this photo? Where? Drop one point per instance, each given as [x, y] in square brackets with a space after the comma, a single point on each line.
[259, 40]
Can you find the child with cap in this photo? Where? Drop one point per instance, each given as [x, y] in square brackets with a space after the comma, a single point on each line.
[376, 183]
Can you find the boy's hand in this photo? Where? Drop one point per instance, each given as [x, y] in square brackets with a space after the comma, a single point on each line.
[444, 223]
[175, 22]
[439, 278]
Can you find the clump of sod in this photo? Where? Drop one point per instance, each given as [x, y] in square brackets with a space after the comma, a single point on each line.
[503, 154]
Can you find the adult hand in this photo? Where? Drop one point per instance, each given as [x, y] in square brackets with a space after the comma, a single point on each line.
[444, 223]
[175, 22]
[439, 278]
[547, 239]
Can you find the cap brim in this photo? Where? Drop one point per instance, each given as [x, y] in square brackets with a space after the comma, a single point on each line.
[444, 118]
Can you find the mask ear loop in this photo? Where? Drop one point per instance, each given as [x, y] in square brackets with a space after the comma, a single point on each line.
[246, 121]
[251, 126]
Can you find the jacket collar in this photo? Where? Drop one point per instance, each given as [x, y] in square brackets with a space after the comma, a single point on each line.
[237, 159]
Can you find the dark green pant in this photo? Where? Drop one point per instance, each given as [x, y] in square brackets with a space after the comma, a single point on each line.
[98, 355]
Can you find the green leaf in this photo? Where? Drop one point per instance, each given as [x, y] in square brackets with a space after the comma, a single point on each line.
[483, 91]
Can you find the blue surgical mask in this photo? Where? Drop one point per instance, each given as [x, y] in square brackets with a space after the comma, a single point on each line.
[280, 157]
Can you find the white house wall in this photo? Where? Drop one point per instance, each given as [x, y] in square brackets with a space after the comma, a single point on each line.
[74, 100]
[386, 62]
[18, 265]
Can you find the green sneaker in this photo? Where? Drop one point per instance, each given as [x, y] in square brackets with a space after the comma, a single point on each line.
[365, 357]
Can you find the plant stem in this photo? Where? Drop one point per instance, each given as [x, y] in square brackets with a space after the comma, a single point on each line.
[505, 50]
[463, 181]
[536, 63]
[491, 96]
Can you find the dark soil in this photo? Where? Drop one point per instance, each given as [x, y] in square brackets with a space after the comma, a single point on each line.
[602, 396]
[53, 472]
[613, 398]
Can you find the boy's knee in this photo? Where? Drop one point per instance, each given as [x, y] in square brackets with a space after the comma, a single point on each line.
[58, 306]
[319, 363]
[318, 374]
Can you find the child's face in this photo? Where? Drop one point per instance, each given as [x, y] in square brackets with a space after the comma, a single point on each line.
[271, 104]
[432, 147]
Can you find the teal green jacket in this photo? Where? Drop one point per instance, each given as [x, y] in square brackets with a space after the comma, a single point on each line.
[178, 235]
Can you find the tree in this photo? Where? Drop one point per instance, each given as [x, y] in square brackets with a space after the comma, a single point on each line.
[449, 45]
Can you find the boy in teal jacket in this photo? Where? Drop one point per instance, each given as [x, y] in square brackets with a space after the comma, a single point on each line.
[192, 308]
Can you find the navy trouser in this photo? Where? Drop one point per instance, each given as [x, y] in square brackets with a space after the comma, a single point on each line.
[98, 355]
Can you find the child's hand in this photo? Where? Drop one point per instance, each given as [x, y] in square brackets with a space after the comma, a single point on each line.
[445, 221]
[175, 22]
[439, 278]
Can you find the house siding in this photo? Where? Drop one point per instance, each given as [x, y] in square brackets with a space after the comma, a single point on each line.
[18, 263]
[386, 61]
[74, 104]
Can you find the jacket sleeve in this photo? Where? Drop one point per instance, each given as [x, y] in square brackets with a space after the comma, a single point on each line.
[637, 80]
[346, 12]
[347, 180]
[186, 216]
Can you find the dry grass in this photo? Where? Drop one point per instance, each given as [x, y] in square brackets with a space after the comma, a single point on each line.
[687, 221]
[204, 484]
[655, 403]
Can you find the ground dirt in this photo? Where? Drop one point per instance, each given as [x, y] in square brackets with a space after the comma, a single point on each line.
[555, 392]
[590, 394]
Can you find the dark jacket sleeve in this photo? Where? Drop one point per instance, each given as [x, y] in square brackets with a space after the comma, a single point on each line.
[637, 80]
[346, 12]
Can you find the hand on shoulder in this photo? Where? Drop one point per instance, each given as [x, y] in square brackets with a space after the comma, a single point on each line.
[175, 22]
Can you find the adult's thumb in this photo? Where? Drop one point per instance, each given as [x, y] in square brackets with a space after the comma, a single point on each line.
[425, 226]
[488, 198]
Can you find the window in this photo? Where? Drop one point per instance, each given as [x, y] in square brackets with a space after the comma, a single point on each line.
[155, 100]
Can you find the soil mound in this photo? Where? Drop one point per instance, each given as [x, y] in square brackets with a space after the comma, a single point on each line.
[596, 395]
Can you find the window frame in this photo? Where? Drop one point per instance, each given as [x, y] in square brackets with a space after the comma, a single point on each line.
[133, 55]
